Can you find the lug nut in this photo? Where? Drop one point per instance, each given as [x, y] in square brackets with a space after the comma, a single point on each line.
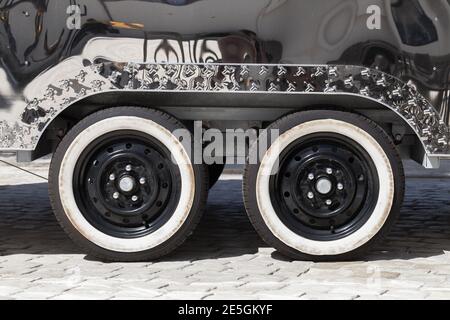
[116, 195]
[128, 167]
[340, 186]
[311, 176]
[328, 202]
[329, 171]
[310, 195]
[134, 198]
[142, 180]
[112, 177]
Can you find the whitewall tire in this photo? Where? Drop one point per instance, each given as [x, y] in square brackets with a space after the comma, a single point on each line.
[123, 186]
[327, 188]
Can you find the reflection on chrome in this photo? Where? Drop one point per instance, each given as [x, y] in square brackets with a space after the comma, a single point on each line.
[39, 54]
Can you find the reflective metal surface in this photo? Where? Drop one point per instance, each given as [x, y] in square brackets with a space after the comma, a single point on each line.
[366, 83]
[42, 60]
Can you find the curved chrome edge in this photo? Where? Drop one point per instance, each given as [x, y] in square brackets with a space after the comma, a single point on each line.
[49, 98]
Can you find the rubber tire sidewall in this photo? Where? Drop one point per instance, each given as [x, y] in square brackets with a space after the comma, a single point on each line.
[200, 180]
[291, 121]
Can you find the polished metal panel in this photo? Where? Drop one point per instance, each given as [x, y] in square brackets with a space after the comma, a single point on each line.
[229, 79]
[404, 62]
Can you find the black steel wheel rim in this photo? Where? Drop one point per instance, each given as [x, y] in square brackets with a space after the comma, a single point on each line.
[326, 187]
[126, 184]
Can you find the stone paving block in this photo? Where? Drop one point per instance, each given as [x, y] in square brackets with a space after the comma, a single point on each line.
[438, 295]
[404, 294]
[86, 293]
[230, 295]
[133, 294]
[368, 290]
[178, 295]
[194, 286]
[12, 288]
[328, 296]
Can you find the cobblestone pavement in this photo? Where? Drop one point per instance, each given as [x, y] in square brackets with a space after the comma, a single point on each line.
[224, 258]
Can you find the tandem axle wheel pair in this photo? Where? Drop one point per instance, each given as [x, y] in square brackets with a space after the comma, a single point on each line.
[124, 188]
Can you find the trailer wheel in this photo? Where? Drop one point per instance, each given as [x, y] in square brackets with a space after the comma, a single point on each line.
[123, 186]
[328, 187]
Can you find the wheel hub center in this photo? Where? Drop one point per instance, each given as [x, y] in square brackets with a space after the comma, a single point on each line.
[127, 184]
[323, 186]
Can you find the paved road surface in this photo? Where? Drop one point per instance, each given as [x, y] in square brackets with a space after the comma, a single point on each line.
[224, 258]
